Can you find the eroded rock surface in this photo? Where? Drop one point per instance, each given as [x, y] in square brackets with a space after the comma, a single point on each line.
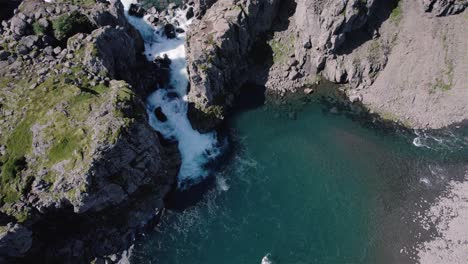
[218, 48]
[400, 61]
[75, 144]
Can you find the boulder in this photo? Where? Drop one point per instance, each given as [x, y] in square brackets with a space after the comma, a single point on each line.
[19, 26]
[4, 55]
[169, 31]
[29, 41]
[136, 10]
[22, 50]
[189, 14]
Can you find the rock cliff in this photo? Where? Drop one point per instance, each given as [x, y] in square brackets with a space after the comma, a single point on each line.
[402, 59]
[75, 144]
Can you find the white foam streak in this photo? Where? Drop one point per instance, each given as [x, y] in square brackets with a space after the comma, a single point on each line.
[196, 149]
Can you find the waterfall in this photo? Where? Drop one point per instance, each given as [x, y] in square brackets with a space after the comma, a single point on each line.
[196, 149]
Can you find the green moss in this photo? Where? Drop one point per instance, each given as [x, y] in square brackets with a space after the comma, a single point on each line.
[18, 145]
[282, 48]
[215, 111]
[64, 147]
[83, 3]
[374, 51]
[203, 67]
[211, 40]
[68, 25]
[396, 14]
[39, 29]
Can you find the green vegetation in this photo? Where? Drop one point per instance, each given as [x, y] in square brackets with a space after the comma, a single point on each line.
[396, 14]
[83, 3]
[203, 67]
[68, 25]
[160, 4]
[282, 48]
[215, 111]
[59, 112]
[445, 81]
[39, 29]
[211, 40]
[374, 51]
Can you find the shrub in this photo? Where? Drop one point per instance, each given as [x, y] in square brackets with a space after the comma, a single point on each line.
[39, 29]
[70, 24]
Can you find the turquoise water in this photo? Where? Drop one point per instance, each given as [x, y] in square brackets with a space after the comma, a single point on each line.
[316, 186]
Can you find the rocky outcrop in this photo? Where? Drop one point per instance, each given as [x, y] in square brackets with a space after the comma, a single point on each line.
[218, 48]
[355, 43]
[75, 145]
[444, 7]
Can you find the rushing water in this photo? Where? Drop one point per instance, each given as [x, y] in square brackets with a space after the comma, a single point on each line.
[305, 182]
[196, 149]
[315, 187]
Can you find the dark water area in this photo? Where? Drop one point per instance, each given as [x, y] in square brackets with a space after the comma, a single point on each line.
[310, 181]
[7, 7]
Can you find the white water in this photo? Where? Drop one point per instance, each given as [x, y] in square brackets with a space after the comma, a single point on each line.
[196, 149]
[447, 139]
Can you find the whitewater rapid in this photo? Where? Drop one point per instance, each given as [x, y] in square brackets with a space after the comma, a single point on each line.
[196, 149]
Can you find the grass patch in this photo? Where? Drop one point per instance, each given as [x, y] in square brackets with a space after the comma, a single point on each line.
[39, 29]
[374, 51]
[396, 14]
[83, 3]
[282, 48]
[64, 147]
[68, 25]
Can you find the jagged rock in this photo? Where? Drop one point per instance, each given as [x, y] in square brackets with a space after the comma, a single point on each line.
[163, 62]
[22, 50]
[224, 36]
[293, 75]
[29, 41]
[355, 98]
[112, 45]
[153, 20]
[189, 14]
[444, 7]
[18, 26]
[308, 90]
[136, 10]
[4, 55]
[47, 40]
[111, 14]
[57, 50]
[15, 240]
[160, 115]
[169, 31]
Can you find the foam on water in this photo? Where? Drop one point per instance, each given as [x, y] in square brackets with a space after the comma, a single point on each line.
[441, 140]
[266, 259]
[196, 149]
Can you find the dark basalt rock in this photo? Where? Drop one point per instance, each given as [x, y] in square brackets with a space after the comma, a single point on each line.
[169, 31]
[160, 115]
[136, 10]
[189, 13]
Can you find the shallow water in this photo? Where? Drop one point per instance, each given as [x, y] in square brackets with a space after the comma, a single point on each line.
[314, 187]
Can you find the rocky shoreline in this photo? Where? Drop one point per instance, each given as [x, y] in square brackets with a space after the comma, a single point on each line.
[360, 44]
[82, 172]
